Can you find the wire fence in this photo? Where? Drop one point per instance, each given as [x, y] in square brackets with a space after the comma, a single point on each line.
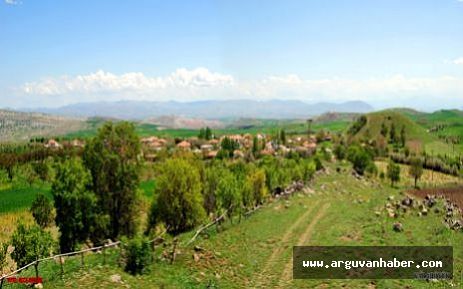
[55, 267]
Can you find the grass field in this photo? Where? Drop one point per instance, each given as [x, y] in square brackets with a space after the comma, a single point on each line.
[253, 126]
[257, 252]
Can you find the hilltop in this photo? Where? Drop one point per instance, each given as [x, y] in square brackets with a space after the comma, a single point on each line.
[419, 137]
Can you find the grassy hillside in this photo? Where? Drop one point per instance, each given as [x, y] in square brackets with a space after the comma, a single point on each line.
[256, 253]
[417, 134]
[21, 126]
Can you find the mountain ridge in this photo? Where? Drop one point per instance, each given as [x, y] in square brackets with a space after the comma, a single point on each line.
[207, 109]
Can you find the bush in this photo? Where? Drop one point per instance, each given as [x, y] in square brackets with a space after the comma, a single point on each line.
[136, 255]
[30, 244]
[255, 184]
[359, 158]
[42, 211]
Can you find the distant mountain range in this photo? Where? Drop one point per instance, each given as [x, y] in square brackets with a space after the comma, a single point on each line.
[213, 109]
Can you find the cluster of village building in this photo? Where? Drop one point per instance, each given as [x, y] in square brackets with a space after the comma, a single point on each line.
[209, 148]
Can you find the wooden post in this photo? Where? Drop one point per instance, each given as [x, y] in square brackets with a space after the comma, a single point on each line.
[82, 259]
[104, 254]
[36, 265]
[62, 265]
[173, 250]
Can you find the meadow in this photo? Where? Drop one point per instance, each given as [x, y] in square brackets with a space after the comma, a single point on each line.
[338, 209]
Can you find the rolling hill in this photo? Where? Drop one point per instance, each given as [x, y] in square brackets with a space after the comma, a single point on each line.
[21, 126]
[418, 136]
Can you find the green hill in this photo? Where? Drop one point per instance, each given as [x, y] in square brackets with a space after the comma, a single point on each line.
[417, 126]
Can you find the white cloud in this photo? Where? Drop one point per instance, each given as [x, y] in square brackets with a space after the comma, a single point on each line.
[458, 61]
[200, 84]
[106, 82]
[12, 2]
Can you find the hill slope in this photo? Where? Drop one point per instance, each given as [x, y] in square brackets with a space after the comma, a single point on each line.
[21, 126]
[418, 137]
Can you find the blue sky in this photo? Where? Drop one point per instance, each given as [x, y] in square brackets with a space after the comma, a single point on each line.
[386, 52]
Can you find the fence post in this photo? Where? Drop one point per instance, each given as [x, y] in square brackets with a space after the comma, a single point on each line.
[62, 266]
[82, 259]
[104, 254]
[36, 265]
[173, 250]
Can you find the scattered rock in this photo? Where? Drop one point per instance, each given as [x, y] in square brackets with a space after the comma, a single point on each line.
[38, 286]
[424, 211]
[196, 257]
[115, 278]
[397, 227]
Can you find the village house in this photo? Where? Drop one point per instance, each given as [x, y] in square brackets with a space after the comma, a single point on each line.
[53, 144]
[205, 148]
[211, 154]
[154, 142]
[184, 145]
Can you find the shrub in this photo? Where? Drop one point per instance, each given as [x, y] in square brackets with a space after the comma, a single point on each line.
[136, 255]
[359, 158]
[30, 244]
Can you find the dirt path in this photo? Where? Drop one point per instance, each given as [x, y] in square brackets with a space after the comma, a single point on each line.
[279, 248]
[285, 277]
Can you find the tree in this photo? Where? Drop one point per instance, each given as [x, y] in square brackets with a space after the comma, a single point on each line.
[179, 201]
[208, 133]
[42, 210]
[392, 134]
[393, 172]
[30, 244]
[228, 194]
[113, 159]
[212, 176]
[359, 158]
[416, 169]
[228, 146]
[76, 207]
[283, 137]
[255, 146]
[42, 170]
[403, 137]
[384, 130]
[202, 133]
[255, 182]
